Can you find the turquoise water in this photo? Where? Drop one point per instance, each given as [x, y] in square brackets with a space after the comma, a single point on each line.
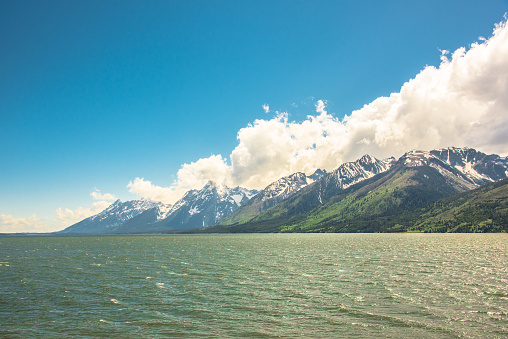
[267, 285]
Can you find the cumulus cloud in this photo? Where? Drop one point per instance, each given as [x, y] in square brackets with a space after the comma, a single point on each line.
[67, 217]
[196, 174]
[10, 224]
[463, 102]
[190, 176]
[266, 108]
[146, 190]
[96, 195]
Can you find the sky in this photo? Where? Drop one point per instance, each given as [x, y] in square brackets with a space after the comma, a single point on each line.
[105, 100]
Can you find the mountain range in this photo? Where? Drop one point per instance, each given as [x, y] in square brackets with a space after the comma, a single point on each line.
[367, 195]
[374, 204]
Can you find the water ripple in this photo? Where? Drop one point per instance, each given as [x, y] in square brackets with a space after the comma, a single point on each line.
[257, 286]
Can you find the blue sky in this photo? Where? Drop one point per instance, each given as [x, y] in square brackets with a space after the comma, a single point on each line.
[94, 94]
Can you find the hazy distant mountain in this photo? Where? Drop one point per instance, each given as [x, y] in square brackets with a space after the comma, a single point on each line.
[198, 208]
[111, 218]
[372, 202]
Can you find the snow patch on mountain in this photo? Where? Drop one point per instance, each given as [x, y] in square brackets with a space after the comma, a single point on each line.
[193, 210]
[163, 210]
[237, 199]
[469, 170]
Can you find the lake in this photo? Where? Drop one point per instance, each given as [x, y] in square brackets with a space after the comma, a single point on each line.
[255, 285]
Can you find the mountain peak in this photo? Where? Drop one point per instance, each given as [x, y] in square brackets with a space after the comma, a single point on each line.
[317, 174]
[213, 186]
[210, 184]
[296, 176]
[367, 158]
[114, 205]
[415, 158]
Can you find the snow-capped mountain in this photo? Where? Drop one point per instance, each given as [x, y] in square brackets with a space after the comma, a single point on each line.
[478, 167]
[465, 168]
[324, 186]
[287, 186]
[368, 188]
[351, 173]
[274, 193]
[112, 217]
[317, 174]
[197, 208]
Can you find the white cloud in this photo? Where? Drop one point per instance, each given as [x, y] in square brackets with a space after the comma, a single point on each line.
[463, 102]
[320, 107]
[191, 176]
[146, 190]
[444, 54]
[10, 224]
[67, 217]
[64, 217]
[266, 108]
[196, 174]
[96, 195]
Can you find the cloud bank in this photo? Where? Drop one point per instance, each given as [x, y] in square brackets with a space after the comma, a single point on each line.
[67, 217]
[96, 195]
[10, 224]
[463, 102]
[64, 217]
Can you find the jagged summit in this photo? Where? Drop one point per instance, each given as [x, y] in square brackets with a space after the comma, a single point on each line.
[474, 167]
[318, 174]
[478, 166]
[415, 158]
[353, 172]
[367, 158]
[212, 185]
[284, 187]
